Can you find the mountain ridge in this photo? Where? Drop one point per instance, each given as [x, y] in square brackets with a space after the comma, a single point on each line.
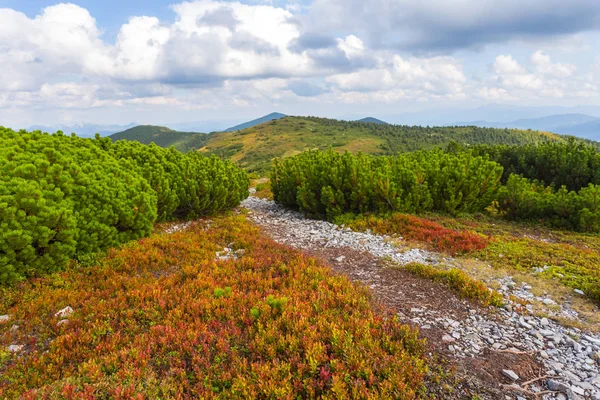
[83, 129]
[372, 120]
[576, 124]
[249, 124]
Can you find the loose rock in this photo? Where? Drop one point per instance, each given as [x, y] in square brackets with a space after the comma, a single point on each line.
[510, 374]
[64, 313]
[15, 348]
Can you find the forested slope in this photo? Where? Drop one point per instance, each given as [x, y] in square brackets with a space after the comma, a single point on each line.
[254, 148]
[163, 136]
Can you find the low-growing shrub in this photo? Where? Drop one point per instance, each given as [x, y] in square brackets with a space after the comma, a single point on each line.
[422, 230]
[573, 164]
[187, 185]
[155, 320]
[60, 196]
[572, 266]
[63, 196]
[329, 184]
[523, 199]
[459, 281]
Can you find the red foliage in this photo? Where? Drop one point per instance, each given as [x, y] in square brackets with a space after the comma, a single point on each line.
[423, 230]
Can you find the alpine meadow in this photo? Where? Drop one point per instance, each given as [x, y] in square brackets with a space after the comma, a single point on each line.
[420, 221]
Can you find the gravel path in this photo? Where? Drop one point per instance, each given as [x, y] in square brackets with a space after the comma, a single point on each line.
[570, 358]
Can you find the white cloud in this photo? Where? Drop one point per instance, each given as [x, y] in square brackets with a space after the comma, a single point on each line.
[544, 66]
[59, 41]
[545, 79]
[228, 54]
[509, 73]
[437, 76]
[351, 46]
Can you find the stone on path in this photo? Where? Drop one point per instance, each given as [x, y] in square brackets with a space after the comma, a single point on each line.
[509, 373]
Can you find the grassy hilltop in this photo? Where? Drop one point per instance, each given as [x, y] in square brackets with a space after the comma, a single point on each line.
[254, 148]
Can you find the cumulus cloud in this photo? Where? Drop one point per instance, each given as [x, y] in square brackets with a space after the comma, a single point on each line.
[543, 78]
[510, 73]
[57, 41]
[217, 53]
[545, 67]
[438, 76]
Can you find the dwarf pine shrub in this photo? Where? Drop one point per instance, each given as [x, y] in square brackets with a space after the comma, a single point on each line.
[329, 184]
[63, 196]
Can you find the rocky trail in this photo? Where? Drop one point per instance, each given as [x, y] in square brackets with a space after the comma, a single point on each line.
[498, 353]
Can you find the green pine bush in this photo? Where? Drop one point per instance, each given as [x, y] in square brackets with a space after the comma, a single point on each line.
[186, 185]
[63, 197]
[525, 199]
[329, 184]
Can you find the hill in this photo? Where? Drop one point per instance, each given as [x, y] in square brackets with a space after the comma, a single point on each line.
[588, 130]
[254, 148]
[372, 120]
[581, 125]
[258, 121]
[163, 137]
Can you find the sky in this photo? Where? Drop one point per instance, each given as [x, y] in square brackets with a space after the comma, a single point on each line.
[161, 61]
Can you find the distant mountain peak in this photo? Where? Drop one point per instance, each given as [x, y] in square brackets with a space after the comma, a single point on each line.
[82, 129]
[254, 122]
[372, 120]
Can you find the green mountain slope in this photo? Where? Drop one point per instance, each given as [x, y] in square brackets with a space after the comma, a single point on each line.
[372, 121]
[163, 136]
[255, 147]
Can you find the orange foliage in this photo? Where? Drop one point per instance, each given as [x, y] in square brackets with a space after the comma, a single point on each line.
[163, 318]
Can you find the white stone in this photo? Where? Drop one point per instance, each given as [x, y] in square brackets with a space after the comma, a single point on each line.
[578, 390]
[584, 385]
[447, 338]
[592, 339]
[4, 318]
[510, 374]
[558, 386]
[65, 312]
[570, 376]
[524, 324]
[15, 348]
